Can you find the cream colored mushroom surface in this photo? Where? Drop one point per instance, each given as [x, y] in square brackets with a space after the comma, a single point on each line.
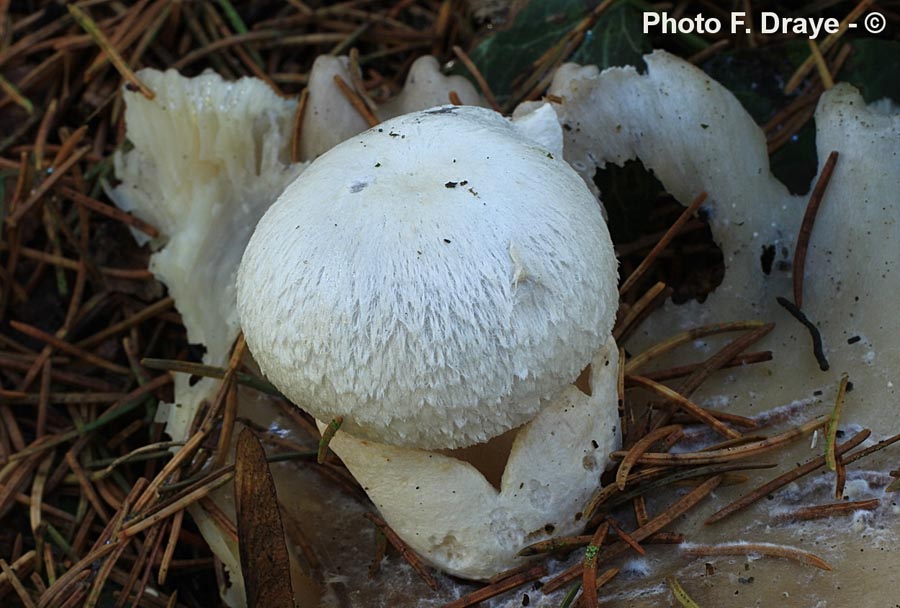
[437, 280]
[695, 136]
[449, 513]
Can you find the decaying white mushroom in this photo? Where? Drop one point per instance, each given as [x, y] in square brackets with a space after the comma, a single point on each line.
[192, 174]
[427, 87]
[695, 136]
[208, 158]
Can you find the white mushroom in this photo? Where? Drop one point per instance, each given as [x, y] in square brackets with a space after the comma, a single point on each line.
[436, 280]
[441, 281]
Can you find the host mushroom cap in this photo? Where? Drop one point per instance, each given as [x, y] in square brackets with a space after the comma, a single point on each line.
[436, 280]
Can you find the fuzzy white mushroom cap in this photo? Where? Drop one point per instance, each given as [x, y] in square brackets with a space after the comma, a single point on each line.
[436, 280]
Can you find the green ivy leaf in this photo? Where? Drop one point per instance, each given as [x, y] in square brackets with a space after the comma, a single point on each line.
[757, 77]
[874, 68]
[616, 39]
[508, 54]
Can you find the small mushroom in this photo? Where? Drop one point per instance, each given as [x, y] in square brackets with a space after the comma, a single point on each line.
[436, 280]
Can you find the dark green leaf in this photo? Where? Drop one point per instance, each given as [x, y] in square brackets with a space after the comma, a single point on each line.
[795, 163]
[874, 68]
[757, 76]
[508, 54]
[616, 39]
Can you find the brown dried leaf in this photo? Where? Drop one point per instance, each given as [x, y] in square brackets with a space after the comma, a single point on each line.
[264, 556]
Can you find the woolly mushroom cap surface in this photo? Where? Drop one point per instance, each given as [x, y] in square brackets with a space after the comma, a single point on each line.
[436, 280]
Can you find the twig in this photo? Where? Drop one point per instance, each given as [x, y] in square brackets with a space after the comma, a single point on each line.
[806, 226]
[818, 349]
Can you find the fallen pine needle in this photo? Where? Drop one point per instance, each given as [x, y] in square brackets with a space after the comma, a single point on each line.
[764, 549]
[638, 449]
[680, 371]
[589, 569]
[806, 226]
[832, 426]
[685, 337]
[88, 24]
[828, 510]
[327, 436]
[478, 76]
[680, 594]
[670, 234]
[599, 581]
[356, 101]
[726, 454]
[408, 554]
[783, 480]
[675, 510]
[502, 586]
[686, 405]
